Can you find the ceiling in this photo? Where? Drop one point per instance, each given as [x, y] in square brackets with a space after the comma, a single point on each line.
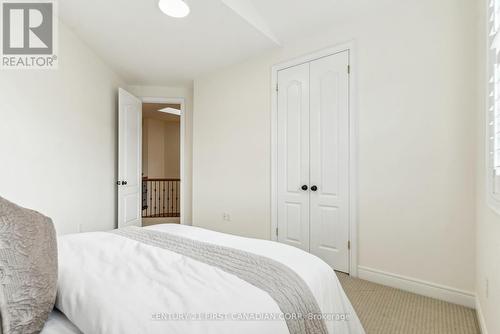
[147, 47]
[151, 110]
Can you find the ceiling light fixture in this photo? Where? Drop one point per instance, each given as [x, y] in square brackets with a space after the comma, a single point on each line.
[174, 8]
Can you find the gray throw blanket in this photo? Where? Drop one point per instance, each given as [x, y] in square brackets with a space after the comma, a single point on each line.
[293, 296]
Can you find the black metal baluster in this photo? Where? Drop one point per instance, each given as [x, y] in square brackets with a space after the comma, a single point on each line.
[177, 199]
[150, 204]
[168, 198]
[171, 197]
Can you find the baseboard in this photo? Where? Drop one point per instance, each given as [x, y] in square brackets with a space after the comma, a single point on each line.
[417, 286]
[480, 317]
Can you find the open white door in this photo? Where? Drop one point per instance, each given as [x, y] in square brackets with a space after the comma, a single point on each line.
[129, 160]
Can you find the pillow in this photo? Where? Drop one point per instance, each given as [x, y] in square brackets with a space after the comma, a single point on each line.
[28, 269]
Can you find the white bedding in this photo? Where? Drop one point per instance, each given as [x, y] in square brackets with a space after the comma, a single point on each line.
[59, 324]
[110, 284]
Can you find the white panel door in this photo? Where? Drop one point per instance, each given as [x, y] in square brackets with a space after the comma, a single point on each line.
[129, 160]
[329, 160]
[293, 156]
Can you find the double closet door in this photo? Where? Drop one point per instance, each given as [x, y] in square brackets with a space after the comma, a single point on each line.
[313, 158]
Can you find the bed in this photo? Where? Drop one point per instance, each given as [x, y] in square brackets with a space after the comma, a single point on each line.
[174, 278]
[59, 324]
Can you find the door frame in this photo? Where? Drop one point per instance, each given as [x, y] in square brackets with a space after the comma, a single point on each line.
[350, 47]
[182, 102]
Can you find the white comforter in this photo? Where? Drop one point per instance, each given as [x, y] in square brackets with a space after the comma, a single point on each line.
[113, 285]
[59, 324]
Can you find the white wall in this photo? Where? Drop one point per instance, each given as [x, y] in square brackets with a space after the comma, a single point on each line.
[488, 222]
[185, 92]
[172, 150]
[58, 138]
[231, 150]
[155, 149]
[145, 146]
[416, 148]
[160, 148]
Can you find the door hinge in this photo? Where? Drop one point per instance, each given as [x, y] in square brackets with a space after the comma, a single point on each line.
[349, 245]
[276, 231]
[348, 69]
[277, 87]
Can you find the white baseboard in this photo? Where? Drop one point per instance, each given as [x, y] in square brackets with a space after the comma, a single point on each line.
[480, 317]
[417, 286]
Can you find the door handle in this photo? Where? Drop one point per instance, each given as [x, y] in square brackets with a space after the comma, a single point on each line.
[121, 183]
[314, 188]
[304, 187]
[124, 183]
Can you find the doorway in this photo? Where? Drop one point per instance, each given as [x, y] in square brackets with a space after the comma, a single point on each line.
[139, 197]
[161, 163]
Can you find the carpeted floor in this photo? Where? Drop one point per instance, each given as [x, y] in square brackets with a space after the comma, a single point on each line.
[384, 310]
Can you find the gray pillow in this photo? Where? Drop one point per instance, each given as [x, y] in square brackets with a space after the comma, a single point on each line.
[28, 269]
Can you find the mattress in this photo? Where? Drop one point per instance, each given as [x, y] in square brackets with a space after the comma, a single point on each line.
[111, 284]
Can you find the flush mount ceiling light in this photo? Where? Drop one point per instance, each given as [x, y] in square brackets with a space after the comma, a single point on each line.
[174, 8]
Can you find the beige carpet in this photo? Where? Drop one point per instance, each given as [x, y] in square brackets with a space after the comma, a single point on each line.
[384, 310]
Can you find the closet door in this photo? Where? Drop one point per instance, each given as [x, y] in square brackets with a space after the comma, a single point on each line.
[293, 156]
[329, 136]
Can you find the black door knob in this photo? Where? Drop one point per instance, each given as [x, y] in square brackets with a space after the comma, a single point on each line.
[304, 187]
[314, 188]
[124, 183]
